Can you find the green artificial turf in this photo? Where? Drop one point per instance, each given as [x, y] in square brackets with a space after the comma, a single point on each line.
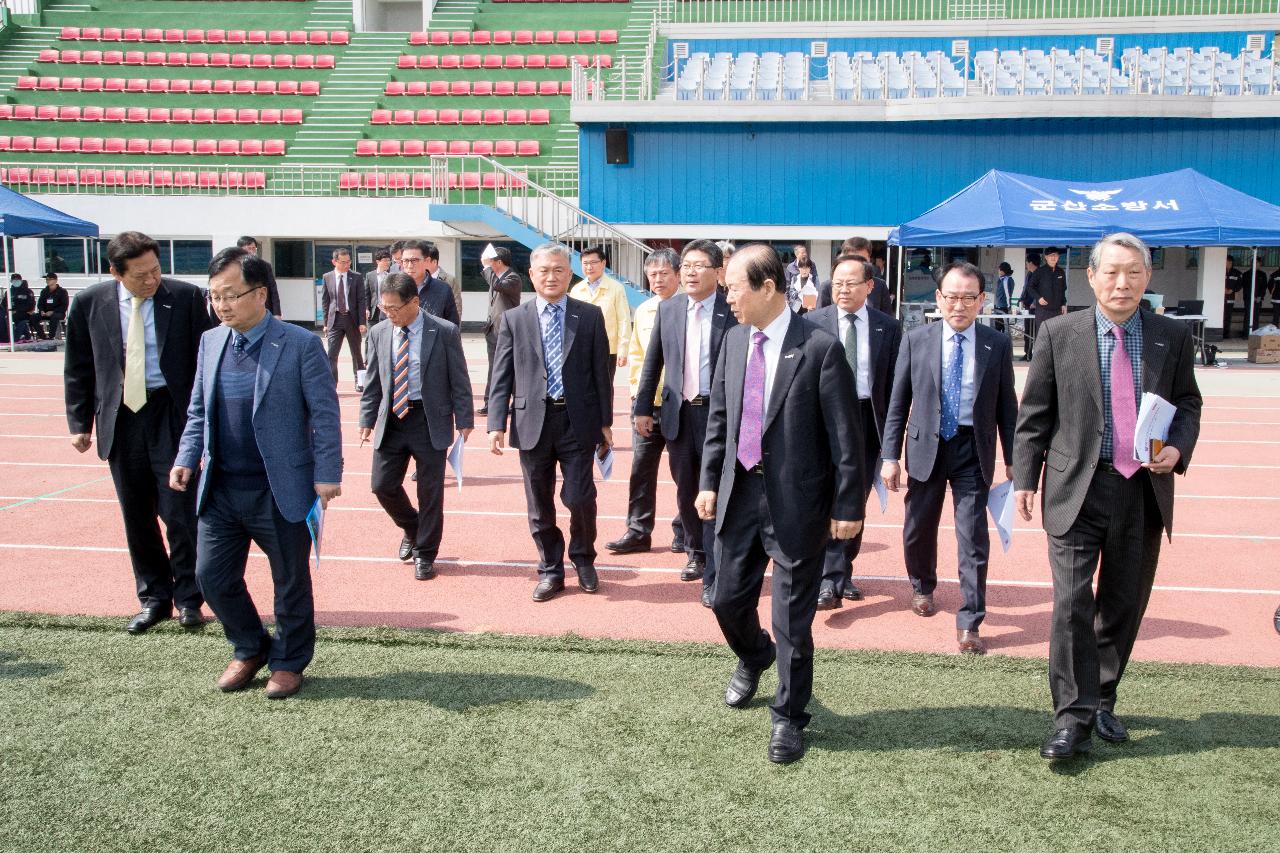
[428, 741]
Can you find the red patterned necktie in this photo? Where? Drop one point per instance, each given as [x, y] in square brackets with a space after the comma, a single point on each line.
[400, 377]
[750, 431]
[1124, 408]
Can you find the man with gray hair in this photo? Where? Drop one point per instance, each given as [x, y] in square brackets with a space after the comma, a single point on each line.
[550, 372]
[1103, 510]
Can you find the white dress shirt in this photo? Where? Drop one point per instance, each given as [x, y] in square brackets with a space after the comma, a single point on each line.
[155, 378]
[705, 367]
[775, 332]
[864, 347]
[970, 336]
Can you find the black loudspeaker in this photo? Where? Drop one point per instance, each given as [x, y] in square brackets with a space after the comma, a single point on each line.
[616, 147]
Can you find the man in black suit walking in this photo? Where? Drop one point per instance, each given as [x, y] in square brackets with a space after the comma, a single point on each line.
[131, 360]
[952, 393]
[417, 388]
[871, 339]
[780, 474]
[550, 372]
[699, 318]
[417, 259]
[345, 312]
[1103, 511]
[504, 294]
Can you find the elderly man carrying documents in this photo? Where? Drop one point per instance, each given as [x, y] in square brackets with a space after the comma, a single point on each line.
[1077, 426]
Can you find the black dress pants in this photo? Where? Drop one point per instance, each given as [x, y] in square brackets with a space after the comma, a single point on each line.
[957, 465]
[557, 444]
[642, 488]
[837, 568]
[744, 547]
[403, 440]
[344, 328]
[490, 345]
[685, 453]
[1117, 536]
[142, 453]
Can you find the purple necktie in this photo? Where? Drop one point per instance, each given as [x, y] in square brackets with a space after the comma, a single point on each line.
[749, 432]
[1124, 408]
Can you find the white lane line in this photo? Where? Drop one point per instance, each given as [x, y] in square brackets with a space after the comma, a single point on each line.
[521, 564]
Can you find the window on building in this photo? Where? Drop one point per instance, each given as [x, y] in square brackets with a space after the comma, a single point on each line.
[191, 257]
[293, 259]
[64, 255]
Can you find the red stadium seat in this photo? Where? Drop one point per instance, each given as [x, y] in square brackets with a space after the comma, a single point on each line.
[206, 146]
[389, 148]
[156, 57]
[22, 143]
[135, 115]
[437, 146]
[70, 33]
[402, 117]
[380, 117]
[66, 177]
[586, 37]
[215, 36]
[260, 60]
[439, 38]
[548, 87]
[566, 87]
[271, 116]
[298, 36]
[416, 87]
[459, 147]
[282, 60]
[25, 82]
[112, 57]
[482, 87]
[198, 60]
[114, 114]
[90, 33]
[46, 112]
[202, 115]
[451, 60]
[566, 37]
[183, 179]
[137, 146]
[175, 36]
[460, 37]
[19, 175]
[92, 84]
[184, 147]
[526, 87]
[607, 37]
[557, 60]
[158, 85]
[419, 38]
[111, 34]
[421, 181]
[407, 61]
[161, 146]
[181, 115]
[218, 59]
[45, 144]
[504, 148]
[471, 60]
[471, 117]
[397, 180]
[24, 112]
[366, 147]
[137, 178]
[517, 117]
[91, 57]
[247, 116]
[223, 87]
[264, 87]
[535, 60]
[131, 34]
[287, 87]
[224, 116]
[68, 113]
[470, 180]
[176, 59]
[309, 87]
[69, 144]
[375, 181]
[49, 84]
[447, 117]
[228, 147]
[324, 60]
[492, 60]
[339, 37]
[179, 87]
[201, 87]
[6, 111]
[318, 37]
[195, 37]
[529, 148]
[424, 117]
[493, 117]
[438, 87]
[251, 148]
[349, 181]
[492, 180]
[135, 57]
[428, 60]
[482, 147]
[481, 37]
[255, 180]
[90, 177]
[278, 37]
[158, 115]
[460, 87]
[604, 60]
[244, 87]
[92, 145]
[536, 117]
[232, 180]
[42, 176]
[523, 37]
[273, 148]
[544, 37]
[502, 37]
[51, 55]
[136, 85]
[504, 87]
[207, 180]
[412, 148]
[113, 177]
[291, 116]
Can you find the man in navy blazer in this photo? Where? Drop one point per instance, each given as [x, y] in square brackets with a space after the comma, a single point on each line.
[264, 430]
[700, 316]
[436, 297]
[952, 394]
[780, 474]
[551, 374]
[411, 402]
[871, 339]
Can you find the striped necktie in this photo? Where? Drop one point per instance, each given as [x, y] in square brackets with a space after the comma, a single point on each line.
[400, 377]
[553, 350]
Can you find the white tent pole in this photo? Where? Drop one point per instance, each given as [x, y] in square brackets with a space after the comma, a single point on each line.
[901, 277]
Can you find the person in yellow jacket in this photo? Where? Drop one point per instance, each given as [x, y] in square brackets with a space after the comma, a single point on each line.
[610, 297]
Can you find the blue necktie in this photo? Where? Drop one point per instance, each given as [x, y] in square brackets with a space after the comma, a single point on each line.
[553, 350]
[238, 344]
[951, 389]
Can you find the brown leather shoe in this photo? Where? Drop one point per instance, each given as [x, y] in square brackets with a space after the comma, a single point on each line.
[970, 643]
[922, 605]
[282, 684]
[239, 673]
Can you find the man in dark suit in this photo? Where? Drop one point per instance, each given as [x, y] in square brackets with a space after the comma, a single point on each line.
[250, 245]
[417, 387]
[345, 312]
[871, 339]
[550, 373]
[373, 280]
[264, 430]
[133, 341]
[780, 474]
[504, 294]
[959, 375]
[417, 258]
[698, 317]
[1233, 284]
[1076, 425]
[878, 297]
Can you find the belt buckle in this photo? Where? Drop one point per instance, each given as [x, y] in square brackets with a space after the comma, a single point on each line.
[700, 400]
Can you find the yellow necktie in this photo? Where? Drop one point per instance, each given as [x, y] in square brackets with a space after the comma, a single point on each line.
[135, 360]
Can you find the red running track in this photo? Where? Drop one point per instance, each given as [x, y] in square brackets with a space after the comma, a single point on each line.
[62, 551]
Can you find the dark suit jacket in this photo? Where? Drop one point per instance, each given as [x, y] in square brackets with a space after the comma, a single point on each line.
[666, 348]
[446, 388]
[519, 383]
[1060, 424]
[812, 443]
[1048, 283]
[918, 378]
[371, 297]
[356, 305]
[273, 292]
[879, 298]
[504, 294]
[94, 366]
[886, 338]
[295, 416]
[437, 298]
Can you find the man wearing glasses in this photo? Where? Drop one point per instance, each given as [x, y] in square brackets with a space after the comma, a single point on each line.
[345, 312]
[959, 375]
[610, 297]
[417, 388]
[264, 430]
[419, 260]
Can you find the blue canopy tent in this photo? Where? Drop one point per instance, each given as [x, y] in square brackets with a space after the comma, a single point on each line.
[1182, 208]
[23, 217]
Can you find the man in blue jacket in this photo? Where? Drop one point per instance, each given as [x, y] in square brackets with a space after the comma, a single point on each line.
[264, 429]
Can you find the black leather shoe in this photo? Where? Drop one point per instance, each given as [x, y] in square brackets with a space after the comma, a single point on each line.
[851, 592]
[483, 410]
[828, 600]
[423, 569]
[406, 550]
[706, 597]
[588, 580]
[786, 744]
[694, 569]
[548, 589]
[745, 682]
[677, 545]
[148, 619]
[1065, 743]
[630, 543]
[1109, 728]
[190, 617]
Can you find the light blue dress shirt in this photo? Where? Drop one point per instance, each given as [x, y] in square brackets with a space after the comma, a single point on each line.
[155, 378]
[970, 336]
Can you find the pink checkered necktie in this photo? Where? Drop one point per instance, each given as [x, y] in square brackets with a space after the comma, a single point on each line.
[693, 353]
[400, 377]
[1124, 408]
[751, 429]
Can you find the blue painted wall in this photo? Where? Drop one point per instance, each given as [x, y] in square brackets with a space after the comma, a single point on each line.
[1231, 42]
[863, 173]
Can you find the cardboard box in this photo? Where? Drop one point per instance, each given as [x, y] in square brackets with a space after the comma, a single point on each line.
[1265, 343]
[1264, 356]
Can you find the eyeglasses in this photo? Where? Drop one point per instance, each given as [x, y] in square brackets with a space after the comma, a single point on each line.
[967, 299]
[404, 260]
[849, 285]
[393, 309]
[231, 298]
[696, 267]
[586, 262]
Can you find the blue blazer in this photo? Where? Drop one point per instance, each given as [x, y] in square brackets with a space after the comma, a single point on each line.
[295, 415]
